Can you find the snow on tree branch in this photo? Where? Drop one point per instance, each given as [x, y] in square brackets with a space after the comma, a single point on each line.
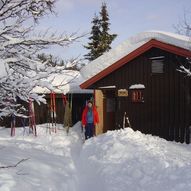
[186, 71]
[19, 49]
[29, 8]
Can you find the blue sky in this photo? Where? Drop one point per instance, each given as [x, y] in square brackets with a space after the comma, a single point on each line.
[127, 18]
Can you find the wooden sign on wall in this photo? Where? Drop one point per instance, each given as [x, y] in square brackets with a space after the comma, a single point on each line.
[122, 93]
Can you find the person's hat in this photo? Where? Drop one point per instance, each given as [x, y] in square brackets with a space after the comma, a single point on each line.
[90, 101]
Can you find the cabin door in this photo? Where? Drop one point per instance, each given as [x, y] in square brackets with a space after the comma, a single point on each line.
[109, 110]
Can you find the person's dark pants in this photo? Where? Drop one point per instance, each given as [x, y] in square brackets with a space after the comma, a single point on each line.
[89, 130]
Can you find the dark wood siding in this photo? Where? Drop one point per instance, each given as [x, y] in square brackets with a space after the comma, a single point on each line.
[78, 103]
[41, 111]
[166, 108]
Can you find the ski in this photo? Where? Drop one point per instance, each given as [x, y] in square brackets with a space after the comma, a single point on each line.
[48, 119]
[53, 110]
[126, 121]
[32, 123]
[64, 99]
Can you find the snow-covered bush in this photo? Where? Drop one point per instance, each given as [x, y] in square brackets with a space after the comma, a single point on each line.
[21, 69]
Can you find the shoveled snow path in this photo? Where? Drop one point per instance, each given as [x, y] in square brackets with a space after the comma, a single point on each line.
[87, 177]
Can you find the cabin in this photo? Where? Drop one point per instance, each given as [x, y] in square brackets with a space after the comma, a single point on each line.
[66, 89]
[138, 85]
[77, 102]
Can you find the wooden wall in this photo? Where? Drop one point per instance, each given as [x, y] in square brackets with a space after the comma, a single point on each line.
[78, 103]
[42, 110]
[166, 110]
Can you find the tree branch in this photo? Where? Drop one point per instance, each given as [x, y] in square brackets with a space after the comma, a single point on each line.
[15, 165]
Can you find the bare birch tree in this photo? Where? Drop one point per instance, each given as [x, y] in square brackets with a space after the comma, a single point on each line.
[184, 28]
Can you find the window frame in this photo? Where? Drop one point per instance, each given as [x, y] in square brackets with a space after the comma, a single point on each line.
[137, 95]
[157, 60]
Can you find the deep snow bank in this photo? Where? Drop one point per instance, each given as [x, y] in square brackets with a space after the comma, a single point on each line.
[126, 160]
[50, 166]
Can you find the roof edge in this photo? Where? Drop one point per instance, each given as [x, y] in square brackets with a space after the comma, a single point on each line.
[145, 47]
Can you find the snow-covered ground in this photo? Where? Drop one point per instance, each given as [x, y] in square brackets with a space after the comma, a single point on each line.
[116, 161]
[50, 166]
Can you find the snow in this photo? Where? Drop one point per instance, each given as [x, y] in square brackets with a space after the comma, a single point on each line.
[128, 46]
[186, 71]
[107, 87]
[119, 160]
[3, 71]
[50, 166]
[67, 82]
[137, 86]
[156, 57]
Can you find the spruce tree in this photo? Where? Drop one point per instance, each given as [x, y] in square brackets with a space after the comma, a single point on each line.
[100, 39]
[94, 43]
[106, 38]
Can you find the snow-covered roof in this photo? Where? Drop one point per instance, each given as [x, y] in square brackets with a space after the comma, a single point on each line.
[107, 87]
[129, 46]
[68, 82]
[137, 86]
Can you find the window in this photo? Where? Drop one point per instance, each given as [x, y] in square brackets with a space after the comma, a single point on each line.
[137, 96]
[110, 105]
[157, 65]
